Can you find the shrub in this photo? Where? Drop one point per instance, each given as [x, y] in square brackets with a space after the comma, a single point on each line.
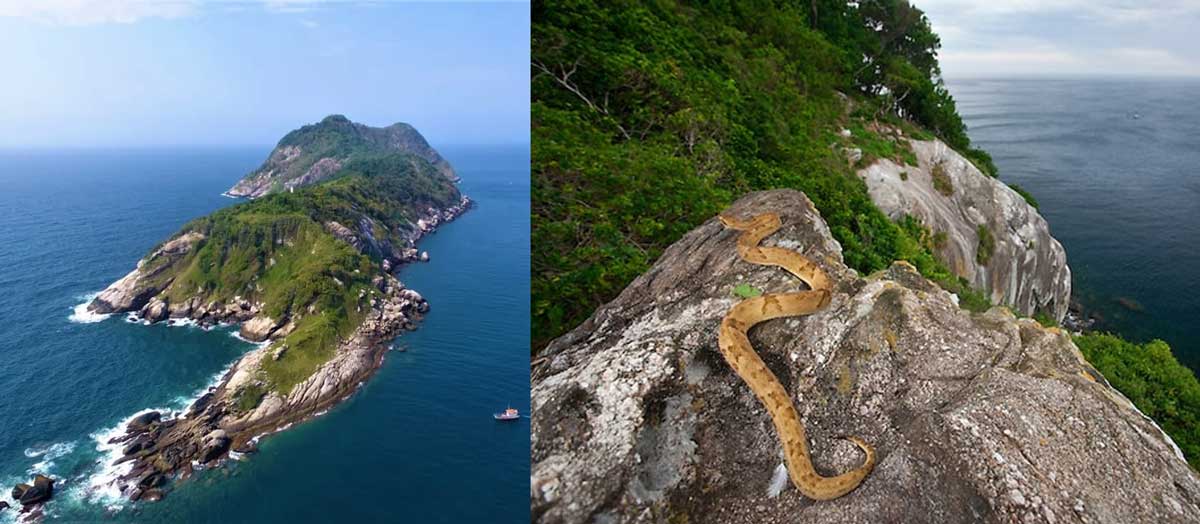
[1150, 376]
[987, 244]
[1024, 194]
[941, 181]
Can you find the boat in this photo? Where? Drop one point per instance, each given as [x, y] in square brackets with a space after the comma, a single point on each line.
[508, 414]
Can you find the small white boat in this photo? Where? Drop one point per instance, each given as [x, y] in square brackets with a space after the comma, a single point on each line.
[508, 414]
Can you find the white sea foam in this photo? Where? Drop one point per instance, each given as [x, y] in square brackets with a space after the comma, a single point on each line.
[81, 315]
[48, 454]
[238, 335]
[101, 487]
[181, 322]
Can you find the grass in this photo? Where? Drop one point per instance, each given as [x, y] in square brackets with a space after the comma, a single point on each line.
[248, 397]
[941, 181]
[986, 247]
[276, 251]
[875, 146]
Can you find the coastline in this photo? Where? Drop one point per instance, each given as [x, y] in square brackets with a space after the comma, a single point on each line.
[206, 432]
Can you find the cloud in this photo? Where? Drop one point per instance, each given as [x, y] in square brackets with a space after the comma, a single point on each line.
[91, 12]
[1054, 37]
[291, 6]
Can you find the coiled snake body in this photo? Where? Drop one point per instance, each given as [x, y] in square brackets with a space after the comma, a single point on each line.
[736, 348]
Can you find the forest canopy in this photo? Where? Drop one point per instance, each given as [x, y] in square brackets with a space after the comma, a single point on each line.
[649, 117]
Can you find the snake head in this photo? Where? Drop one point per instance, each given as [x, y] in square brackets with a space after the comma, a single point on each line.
[753, 222]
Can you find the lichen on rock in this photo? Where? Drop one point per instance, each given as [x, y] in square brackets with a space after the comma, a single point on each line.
[974, 416]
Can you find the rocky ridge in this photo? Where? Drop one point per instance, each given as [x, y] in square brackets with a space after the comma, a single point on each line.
[158, 449]
[306, 155]
[1024, 266]
[978, 417]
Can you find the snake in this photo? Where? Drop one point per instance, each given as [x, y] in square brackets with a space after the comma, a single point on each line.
[740, 354]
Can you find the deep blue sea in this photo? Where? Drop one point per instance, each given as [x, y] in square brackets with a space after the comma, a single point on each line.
[1115, 165]
[416, 444]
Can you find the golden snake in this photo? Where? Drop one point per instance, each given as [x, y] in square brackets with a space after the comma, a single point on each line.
[736, 348]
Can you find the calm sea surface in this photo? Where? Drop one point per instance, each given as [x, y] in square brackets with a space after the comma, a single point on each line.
[416, 444]
[1115, 165]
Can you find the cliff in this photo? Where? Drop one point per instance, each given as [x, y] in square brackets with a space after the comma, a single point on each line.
[309, 273]
[316, 151]
[986, 232]
[973, 416]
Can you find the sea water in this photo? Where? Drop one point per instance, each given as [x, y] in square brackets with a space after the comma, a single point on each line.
[1115, 165]
[416, 444]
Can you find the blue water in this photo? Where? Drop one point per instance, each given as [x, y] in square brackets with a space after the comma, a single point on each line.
[1115, 165]
[416, 444]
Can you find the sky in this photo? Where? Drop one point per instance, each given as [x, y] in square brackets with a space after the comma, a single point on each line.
[139, 73]
[1066, 37]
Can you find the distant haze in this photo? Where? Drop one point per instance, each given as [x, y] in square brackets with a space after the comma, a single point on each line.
[127, 73]
[1066, 37]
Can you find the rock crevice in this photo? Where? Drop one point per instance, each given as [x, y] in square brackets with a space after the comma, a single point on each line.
[974, 417]
[987, 233]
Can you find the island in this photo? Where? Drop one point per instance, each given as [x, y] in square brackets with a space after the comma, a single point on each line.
[306, 267]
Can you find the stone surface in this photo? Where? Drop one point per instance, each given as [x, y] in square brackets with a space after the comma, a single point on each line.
[975, 417]
[259, 328]
[214, 423]
[1027, 269]
[135, 289]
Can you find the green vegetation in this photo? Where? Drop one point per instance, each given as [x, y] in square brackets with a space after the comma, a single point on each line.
[1045, 319]
[648, 118]
[941, 181]
[248, 397]
[876, 144]
[1025, 194]
[335, 137]
[1154, 381]
[746, 291]
[987, 245]
[276, 250]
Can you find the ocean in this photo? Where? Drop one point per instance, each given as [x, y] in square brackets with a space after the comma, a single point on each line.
[1115, 165]
[417, 443]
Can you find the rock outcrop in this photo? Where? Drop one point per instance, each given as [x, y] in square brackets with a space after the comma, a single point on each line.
[157, 448]
[1023, 266]
[974, 417]
[308, 155]
[134, 290]
[31, 495]
[366, 241]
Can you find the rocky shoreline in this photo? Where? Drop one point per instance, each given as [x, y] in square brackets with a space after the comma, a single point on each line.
[158, 448]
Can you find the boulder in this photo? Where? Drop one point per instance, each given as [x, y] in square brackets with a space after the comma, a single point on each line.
[152, 480]
[141, 443]
[258, 328]
[978, 417]
[143, 422]
[4, 505]
[41, 491]
[153, 495]
[19, 490]
[1026, 267]
[155, 310]
[424, 256]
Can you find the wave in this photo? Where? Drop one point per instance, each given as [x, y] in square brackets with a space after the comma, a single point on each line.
[48, 455]
[80, 313]
[238, 335]
[102, 486]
